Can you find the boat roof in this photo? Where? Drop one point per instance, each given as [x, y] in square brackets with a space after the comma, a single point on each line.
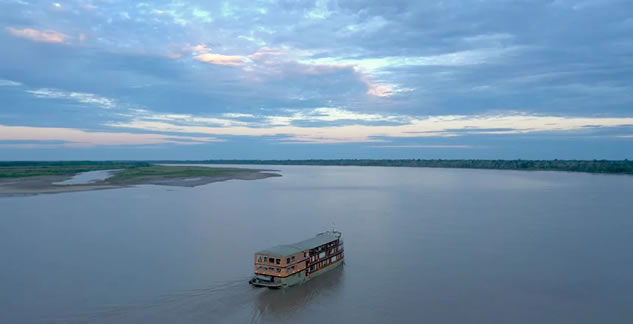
[288, 249]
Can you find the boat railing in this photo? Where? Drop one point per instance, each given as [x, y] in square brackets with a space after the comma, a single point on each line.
[318, 259]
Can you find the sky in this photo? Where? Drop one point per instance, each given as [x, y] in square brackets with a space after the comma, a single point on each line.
[283, 79]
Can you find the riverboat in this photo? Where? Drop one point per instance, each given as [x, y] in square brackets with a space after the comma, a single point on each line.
[291, 264]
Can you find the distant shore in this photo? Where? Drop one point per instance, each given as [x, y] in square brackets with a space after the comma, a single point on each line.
[30, 177]
[13, 181]
[586, 166]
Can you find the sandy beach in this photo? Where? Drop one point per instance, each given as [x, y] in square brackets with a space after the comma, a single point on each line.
[46, 184]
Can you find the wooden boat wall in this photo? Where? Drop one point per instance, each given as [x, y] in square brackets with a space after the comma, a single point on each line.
[291, 264]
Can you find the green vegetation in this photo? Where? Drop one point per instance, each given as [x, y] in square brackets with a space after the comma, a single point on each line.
[130, 170]
[594, 166]
[159, 171]
[30, 169]
[146, 170]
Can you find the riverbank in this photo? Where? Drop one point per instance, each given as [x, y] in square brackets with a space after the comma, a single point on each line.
[586, 166]
[181, 176]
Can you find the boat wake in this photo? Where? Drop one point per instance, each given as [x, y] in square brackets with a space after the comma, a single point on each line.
[233, 301]
[189, 306]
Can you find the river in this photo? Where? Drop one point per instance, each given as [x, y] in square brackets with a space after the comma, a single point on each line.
[422, 245]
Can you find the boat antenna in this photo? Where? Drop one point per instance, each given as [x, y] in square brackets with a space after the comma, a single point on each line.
[333, 227]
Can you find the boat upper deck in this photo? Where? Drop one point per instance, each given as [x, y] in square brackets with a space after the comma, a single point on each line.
[311, 243]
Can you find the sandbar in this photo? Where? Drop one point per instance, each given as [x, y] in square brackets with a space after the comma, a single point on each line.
[36, 185]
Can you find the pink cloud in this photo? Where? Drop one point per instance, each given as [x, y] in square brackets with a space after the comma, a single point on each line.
[220, 59]
[200, 48]
[379, 90]
[35, 35]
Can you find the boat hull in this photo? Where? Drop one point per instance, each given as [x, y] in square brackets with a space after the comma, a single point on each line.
[295, 279]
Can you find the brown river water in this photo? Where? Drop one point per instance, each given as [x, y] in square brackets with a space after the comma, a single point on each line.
[422, 245]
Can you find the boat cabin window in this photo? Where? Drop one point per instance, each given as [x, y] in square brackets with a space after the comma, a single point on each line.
[265, 259]
[287, 260]
[293, 258]
[278, 261]
[259, 258]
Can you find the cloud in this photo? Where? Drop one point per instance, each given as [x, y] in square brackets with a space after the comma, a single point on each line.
[72, 137]
[459, 58]
[372, 69]
[220, 59]
[181, 13]
[189, 119]
[385, 89]
[200, 48]
[81, 97]
[329, 114]
[35, 35]
[354, 131]
[424, 146]
[266, 63]
[238, 115]
[9, 83]
[376, 72]
[268, 53]
[320, 10]
[488, 38]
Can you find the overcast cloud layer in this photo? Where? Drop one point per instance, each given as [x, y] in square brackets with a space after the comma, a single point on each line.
[316, 79]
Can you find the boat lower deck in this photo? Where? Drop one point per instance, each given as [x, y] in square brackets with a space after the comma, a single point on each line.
[295, 279]
[259, 283]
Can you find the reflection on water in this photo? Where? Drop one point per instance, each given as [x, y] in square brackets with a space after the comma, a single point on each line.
[422, 245]
[222, 302]
[87, 177]
[283, 303]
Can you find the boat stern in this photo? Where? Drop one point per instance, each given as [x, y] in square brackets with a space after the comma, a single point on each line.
[264, 281]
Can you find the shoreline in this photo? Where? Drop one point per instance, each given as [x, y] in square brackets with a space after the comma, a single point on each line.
[613, 167]
[38, 185]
